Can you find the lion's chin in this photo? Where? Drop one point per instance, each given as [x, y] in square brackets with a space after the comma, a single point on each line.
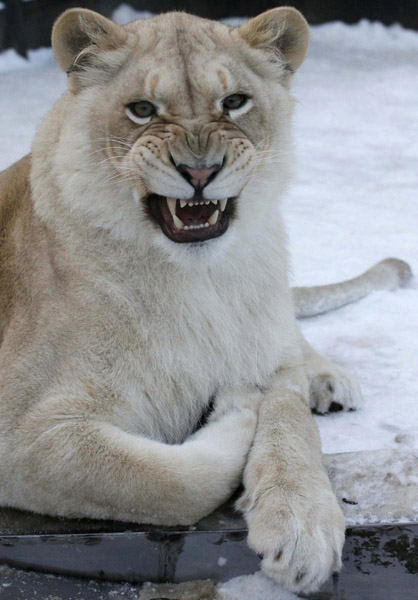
[194, 220]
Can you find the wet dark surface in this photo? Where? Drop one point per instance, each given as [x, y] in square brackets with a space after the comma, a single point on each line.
[379, 563]
[19, 522]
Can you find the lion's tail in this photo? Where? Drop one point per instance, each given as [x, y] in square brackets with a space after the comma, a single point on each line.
[388, 274]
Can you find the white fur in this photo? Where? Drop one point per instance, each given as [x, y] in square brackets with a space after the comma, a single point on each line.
[100, 402]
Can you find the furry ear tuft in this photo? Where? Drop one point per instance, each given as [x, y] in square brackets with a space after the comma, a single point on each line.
[283, 31]
[80, 34]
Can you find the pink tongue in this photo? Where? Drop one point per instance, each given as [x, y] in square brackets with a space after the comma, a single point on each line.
[195, 213]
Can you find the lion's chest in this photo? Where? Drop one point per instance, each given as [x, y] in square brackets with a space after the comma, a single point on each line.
[173, 348]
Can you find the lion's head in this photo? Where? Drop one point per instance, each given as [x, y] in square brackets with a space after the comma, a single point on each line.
[181, 117]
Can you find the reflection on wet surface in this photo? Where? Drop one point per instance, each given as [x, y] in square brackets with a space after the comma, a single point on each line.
[401, 549]
[380, 562]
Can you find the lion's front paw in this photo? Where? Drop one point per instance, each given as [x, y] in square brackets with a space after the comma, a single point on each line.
[299, 536]
[332, 389]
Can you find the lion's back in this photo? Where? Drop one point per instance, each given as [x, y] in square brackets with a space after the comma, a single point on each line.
[15, 201]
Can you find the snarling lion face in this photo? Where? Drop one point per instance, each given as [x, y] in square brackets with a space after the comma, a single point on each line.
[185, 113]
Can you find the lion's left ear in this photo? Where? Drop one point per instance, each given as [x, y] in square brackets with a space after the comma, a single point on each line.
[82, 38]
[283, 31]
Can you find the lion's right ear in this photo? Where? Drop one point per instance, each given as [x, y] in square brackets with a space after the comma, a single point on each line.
[83, 38]
[283, 32]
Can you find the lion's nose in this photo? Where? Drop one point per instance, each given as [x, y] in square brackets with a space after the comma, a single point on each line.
[198, 177]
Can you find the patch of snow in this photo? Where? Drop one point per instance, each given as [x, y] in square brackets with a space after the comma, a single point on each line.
[378, 486]
[234, 21]
[354, 202]
[11, 61]
[125, 14]
[189, 590]
[28, 89]
[252, 587]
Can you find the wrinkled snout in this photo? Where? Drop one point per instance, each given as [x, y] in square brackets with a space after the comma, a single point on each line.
[198, 152]
[198, 177]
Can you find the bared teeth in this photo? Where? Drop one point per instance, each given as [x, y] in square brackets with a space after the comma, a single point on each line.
[201, 226]
[213, 218]
[172, 205]
[178, 222]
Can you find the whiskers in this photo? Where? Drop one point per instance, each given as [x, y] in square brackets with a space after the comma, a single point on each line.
[117, 157]
[267, 164]
[107, 145]
[263, 157]
[121, 175]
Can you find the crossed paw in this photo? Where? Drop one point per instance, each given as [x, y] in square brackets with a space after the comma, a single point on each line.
[299, 536]
[331, 389]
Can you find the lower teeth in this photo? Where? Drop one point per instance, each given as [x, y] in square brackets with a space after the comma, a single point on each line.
[202, 226]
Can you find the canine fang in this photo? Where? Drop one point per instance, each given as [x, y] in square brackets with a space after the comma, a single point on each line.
[178, 222]
[213, 218]
[172, 205]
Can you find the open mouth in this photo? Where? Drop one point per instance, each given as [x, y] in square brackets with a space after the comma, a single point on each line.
[192, 220]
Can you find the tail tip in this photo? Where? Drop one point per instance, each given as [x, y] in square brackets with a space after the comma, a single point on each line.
[402, 269]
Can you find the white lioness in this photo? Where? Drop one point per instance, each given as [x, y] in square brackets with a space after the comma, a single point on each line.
[144, 276]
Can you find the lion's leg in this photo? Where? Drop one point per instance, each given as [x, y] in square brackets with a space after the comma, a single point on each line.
[87, 467]
[330, 387]
[294, 520]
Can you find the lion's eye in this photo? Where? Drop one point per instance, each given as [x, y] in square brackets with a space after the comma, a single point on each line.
[234, 101]
[143, 109]
[141, 112]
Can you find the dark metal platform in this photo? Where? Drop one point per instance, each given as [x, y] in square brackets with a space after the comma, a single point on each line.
[380, 562]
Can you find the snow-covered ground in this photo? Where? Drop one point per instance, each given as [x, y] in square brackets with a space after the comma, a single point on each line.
[354, 201]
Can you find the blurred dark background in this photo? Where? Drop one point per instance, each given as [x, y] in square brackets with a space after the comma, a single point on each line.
[26, 24]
